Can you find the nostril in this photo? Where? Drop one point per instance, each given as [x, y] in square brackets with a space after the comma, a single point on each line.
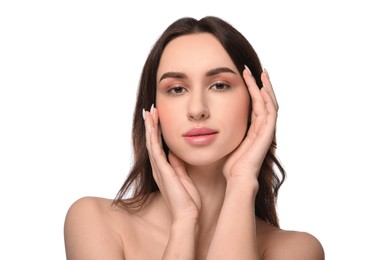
[199, 115]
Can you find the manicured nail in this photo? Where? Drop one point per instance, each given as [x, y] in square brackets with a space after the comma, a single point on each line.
[250, 73]
[266, 72]
[143, 113]
[151, 109]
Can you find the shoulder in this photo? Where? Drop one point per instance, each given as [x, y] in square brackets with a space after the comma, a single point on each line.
[90, 202]
[290, 245]
[90, 231]
[93, 209]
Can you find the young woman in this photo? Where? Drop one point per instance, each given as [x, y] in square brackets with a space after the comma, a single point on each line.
[205, 176]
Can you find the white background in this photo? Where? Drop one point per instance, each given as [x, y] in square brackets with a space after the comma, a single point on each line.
[68, 77]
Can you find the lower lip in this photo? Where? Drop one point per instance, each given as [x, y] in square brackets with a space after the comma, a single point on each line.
[200, 139]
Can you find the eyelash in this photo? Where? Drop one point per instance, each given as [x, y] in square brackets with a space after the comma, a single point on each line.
[226, 86]
[173, 90]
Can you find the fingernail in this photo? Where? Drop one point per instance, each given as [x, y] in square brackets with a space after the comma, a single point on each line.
[250, 73]
[266, 72]
[143, 113]
[151, 109]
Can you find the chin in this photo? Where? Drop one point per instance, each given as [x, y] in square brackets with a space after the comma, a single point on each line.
[203, 160]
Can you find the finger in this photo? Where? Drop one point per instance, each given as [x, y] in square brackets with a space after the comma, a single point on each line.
[155, 116]
[154, 146]
[258, 105]
[148, 131]
[270, 106]
[160, 169]
[267, 84]
[157, 154]
[257, 143]
[147, 128]
[155, 132]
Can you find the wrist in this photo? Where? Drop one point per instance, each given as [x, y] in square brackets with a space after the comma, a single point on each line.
[187, 218]
[249, 183]
[185, 227]
[244, 187]
[182, 240]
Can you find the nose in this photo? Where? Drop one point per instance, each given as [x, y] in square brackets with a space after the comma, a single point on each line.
[197, 107]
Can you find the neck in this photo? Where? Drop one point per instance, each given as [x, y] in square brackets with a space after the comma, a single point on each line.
[211, 185]
[208, 179]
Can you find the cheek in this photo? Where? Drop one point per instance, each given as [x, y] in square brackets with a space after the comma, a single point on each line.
[237, 111]
[167, 119]
[166, 123]
[239, 115]
[239, 121]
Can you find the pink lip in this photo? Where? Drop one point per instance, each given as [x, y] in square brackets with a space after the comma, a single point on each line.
[200, 135]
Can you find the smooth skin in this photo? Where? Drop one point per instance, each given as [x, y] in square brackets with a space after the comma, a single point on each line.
[205, 206]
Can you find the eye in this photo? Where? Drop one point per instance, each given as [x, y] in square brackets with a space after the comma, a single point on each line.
[219, 86]
[176, 90]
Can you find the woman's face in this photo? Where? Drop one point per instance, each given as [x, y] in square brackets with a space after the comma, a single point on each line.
[202, 100]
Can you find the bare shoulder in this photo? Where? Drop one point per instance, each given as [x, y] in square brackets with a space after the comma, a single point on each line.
[90, 232]
[289, 245]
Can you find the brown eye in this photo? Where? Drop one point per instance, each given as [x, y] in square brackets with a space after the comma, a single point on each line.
[220, 86]
[176, 90]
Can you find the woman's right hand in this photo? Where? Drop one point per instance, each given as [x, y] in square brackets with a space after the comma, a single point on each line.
[176, 187]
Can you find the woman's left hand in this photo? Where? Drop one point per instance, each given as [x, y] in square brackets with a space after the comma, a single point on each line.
[248, 157]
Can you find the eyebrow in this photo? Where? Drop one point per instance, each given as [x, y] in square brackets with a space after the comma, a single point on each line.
[219, 70]
[176, 75]
[180, 75]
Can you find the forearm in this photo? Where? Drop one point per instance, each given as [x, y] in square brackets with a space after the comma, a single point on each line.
[181, 244]
[235, 234]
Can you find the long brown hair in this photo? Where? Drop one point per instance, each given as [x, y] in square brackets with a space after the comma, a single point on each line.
[140, 182]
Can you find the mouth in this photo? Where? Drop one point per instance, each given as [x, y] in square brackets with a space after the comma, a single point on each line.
[200, 135]
[200, 131]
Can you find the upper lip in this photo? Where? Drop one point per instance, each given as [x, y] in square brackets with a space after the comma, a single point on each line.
[200, 131]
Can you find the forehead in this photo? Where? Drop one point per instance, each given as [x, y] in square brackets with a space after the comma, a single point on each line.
[194, 52]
